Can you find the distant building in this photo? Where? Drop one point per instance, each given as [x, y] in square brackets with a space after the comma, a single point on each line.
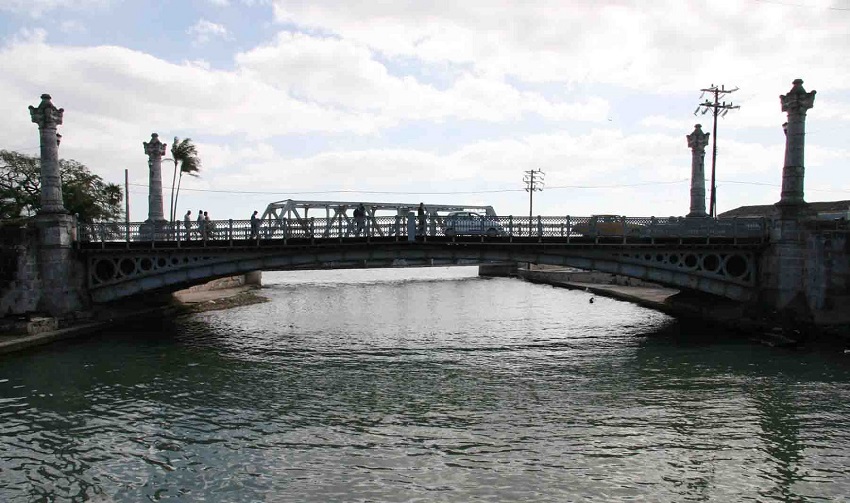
[826, 210]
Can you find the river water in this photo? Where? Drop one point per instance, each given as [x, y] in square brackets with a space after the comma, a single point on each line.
[422, 385]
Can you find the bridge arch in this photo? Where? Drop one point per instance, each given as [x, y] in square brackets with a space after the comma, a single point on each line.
[725, 271]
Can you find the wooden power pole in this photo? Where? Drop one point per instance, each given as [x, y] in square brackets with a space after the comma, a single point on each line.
[718, 109]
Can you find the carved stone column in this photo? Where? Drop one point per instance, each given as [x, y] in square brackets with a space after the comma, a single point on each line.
[795, 103]
[697, 142]
[62, 283]
[155, 150]
[47, 116]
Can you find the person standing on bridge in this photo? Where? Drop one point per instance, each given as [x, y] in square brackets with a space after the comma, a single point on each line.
[255, 225]
[422, 219]
[360, 218]
[187, 223]
[200, 224]
[208, 226]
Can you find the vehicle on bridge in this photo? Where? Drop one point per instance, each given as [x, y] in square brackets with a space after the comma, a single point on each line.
[607, 225]
[468, 223]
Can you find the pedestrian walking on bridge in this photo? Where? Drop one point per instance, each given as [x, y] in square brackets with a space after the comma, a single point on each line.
[360, 218]
[422, 218]
[255, 225]
[201, 231]
[187, 223]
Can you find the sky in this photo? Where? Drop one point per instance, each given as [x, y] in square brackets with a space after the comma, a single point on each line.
[443, 102]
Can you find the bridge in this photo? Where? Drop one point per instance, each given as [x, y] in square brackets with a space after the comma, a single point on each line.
[786, 263]
[714, 256]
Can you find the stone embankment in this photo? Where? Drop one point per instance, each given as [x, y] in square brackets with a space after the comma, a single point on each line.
[604, 284]
[730, 315]
[23, 333]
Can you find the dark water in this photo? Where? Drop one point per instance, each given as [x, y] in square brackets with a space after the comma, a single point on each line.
[422, 385]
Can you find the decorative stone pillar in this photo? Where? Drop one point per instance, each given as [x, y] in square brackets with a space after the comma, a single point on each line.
[47, 116]
[697, 142]
[155, 150]
[62, 282]
[795, 103]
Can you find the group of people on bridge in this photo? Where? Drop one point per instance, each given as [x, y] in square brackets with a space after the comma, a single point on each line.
[206, 229]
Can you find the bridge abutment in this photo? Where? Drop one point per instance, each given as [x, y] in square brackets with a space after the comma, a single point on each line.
[62, 278]
[789, 269]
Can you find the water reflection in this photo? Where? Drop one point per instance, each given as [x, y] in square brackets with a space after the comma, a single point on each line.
[363, 385]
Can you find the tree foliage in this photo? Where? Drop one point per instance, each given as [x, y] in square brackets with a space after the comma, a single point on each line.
[186, 154]
[83, 193]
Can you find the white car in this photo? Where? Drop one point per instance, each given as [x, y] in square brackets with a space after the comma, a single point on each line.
[468, 223]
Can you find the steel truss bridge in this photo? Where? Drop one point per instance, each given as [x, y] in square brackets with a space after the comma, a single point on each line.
[717, 256]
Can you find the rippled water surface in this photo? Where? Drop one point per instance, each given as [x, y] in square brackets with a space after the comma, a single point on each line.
[422, 385]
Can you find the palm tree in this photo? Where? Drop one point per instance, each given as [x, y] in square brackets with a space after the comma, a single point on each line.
[186, 154]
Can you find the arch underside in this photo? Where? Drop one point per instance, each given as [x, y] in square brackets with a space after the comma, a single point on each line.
[728, 272]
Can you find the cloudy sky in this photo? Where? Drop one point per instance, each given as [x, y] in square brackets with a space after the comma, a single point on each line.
[438, 101]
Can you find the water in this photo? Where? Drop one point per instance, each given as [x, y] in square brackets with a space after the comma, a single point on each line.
[422, 385]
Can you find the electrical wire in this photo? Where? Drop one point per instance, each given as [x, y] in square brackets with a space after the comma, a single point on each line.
[353, 191]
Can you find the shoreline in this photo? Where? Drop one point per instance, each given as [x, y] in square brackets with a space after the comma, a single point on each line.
[682, 305]
[182, 303]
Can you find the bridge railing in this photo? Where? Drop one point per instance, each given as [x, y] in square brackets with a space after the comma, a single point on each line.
[398, 227]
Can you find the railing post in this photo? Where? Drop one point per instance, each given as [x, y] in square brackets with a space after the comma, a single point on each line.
[312, 230]
[734, 230]
[411, 226]
[625, 229]
[230, 232]
[569, 229]
[511, 227]
[339, 226]
[539, 229]
[284, 226]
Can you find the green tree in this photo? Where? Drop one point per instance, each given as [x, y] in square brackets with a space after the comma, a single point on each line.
[83, 193]
[184, 153]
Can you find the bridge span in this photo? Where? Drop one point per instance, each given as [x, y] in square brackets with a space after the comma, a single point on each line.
[713, 256]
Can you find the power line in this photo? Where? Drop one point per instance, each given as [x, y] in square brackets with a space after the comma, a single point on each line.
[492, 191]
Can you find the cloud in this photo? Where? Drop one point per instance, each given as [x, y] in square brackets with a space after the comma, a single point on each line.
[204, 31]
[337, 72]
[660, 46]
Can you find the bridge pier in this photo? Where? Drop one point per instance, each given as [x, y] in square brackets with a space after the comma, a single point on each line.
[505, 270]
[787, 270]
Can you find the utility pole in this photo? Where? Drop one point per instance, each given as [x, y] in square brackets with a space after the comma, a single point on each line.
[533, 182]
[720, 109]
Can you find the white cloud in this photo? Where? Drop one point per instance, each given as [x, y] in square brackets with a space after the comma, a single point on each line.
[204, 31]
[337, 72]
[669, 45]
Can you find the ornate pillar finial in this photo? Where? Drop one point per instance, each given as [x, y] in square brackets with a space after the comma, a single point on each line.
[697, 141]
[155, 149]
[48, 117]
[795, 103]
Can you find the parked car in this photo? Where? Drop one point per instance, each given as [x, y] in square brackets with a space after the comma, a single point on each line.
[468, 223]
[606, 225]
